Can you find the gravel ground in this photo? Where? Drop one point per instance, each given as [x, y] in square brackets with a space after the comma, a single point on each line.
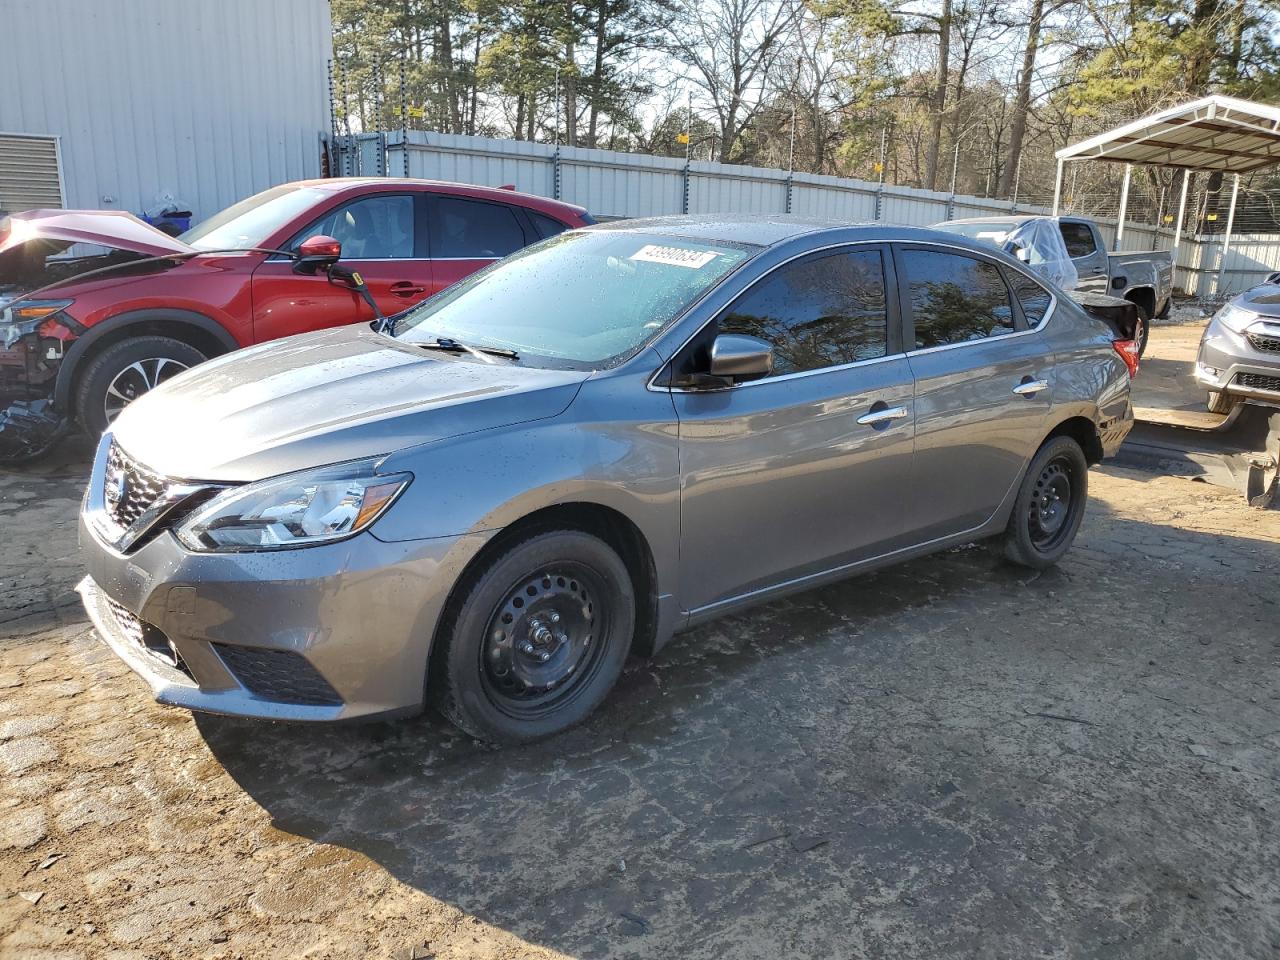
[955, 758]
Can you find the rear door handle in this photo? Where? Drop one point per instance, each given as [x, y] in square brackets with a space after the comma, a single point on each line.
[407, 288]
[882, 417]
[1030, 387]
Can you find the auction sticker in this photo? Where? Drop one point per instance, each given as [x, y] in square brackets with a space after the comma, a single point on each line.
[674, 256]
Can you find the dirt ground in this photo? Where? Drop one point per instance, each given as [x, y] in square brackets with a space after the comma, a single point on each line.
[955, 758]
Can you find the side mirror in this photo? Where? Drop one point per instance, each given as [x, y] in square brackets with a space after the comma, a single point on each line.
[736, 357]
[317, 253]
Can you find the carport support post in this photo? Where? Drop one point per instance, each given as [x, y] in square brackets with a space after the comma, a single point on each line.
[1177, 228]
[1226, 240]
[1124, 206]
[1057, 189]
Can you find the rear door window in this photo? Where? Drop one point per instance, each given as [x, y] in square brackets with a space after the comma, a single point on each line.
[1078, 238]
[474, 230]
[954, 298]
[818, 312]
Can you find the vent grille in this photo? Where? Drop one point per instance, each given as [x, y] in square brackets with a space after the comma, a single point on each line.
[279, 675]
[146, 637]
[1258, 381]
[1264, 343]
[131, 489]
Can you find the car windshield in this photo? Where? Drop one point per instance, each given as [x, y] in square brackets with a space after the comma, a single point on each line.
[250, 222]
[585, 298]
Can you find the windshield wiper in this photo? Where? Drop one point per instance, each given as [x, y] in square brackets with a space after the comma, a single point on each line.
[457, 346]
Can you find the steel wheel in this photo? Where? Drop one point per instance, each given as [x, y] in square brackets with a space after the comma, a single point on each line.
[135, 380]
[1052, 501]
[541, 645]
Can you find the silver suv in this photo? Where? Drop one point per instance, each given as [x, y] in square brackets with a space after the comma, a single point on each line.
[602, 440]
[1240, 349]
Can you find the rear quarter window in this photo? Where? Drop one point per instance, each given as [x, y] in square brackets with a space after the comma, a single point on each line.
[547, 226]
[1033, 298]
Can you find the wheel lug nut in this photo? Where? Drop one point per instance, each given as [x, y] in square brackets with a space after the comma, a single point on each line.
[555, 617]
[544, 656]
[526, 647]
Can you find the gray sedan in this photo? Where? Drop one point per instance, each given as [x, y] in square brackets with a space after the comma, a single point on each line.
[579, 451]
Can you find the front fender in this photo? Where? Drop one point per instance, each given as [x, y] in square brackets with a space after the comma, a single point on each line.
[83, 345]
[616, 446]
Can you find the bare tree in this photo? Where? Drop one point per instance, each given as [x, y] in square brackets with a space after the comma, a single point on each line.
[730, 49]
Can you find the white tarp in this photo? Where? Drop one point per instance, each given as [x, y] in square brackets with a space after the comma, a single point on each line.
[1038, 243]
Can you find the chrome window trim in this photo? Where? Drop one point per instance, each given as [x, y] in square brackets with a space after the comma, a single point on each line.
[1038, 328]
[790, 376]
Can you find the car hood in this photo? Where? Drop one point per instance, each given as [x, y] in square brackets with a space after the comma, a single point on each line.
[327, 397]
[1263, 299]
[62, 228]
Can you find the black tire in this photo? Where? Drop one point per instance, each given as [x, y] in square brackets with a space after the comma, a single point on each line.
[1143, 332]
[1050, 505]
[1219, 402]
[485, 682]
[157, 358]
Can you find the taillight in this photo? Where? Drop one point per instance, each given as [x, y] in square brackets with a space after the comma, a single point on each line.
[1128, 350]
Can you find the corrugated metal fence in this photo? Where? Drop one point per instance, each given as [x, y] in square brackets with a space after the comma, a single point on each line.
[634, 185]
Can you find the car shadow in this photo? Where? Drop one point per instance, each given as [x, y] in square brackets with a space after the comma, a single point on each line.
[881, 764]
[693, 783]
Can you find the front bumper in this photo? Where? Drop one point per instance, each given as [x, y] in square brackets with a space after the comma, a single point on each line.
[329, 632]
[1228, 363]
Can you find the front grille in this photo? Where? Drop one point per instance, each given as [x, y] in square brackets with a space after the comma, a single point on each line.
[130, 487]
[1257, 381]
[1264, 343]
[145, 636]
[280, 675]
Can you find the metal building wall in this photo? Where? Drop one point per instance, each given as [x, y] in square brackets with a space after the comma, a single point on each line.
[634, 185]
[209, 101]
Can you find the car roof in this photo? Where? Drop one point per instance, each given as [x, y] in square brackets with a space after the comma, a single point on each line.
[501, 194]
[769, 230]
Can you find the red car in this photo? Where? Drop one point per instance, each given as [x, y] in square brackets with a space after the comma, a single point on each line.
[80, 352]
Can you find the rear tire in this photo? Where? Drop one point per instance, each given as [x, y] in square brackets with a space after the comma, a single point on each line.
[538, 640]
[1050, 505]
[1219, 402]
[126, 370]
[1143, 332]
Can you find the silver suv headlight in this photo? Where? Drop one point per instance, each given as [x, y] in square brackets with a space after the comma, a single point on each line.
[296, 510]
[1235, 318]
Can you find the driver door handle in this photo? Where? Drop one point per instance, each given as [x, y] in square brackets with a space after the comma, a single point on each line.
[884, 415]
[407, 288]
[1029, 387]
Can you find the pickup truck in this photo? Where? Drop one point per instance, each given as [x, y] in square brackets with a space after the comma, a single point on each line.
[1144, 278]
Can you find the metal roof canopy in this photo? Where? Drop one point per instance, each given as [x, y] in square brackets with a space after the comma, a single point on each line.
[1211, 134]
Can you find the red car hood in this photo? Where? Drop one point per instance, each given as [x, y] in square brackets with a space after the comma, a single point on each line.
[111, 228]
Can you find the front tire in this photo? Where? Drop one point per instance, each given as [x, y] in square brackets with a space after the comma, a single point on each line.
[125, 371]
[538, 640]
[1219, 402]
[1050, 505]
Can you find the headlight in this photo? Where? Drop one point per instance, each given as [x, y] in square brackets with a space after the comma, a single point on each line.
[1235, 318]
[297, 510]
[26, 316]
